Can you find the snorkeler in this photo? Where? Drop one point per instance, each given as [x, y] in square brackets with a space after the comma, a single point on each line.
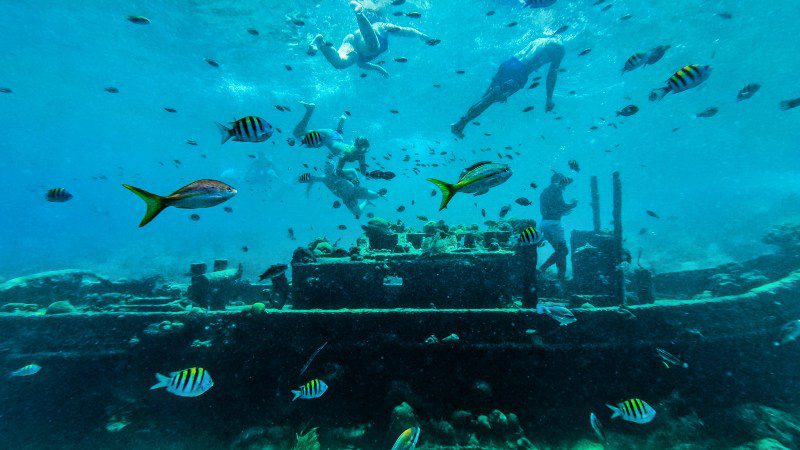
[366, 43]
[553, 207]
[345, 185]
[512, 75]
[355, 152]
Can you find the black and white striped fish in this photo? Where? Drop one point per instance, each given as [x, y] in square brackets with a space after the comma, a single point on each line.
[304, 178]
[531, 236]
[634, 62]
[682, 80]
[58, 195]
[246, 129]
[185, 383]
[313, 389]
[634, 410]
[313, 139]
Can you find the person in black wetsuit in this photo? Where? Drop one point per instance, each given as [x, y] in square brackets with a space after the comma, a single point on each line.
[512, 75]
[553, 207]
[366, 43]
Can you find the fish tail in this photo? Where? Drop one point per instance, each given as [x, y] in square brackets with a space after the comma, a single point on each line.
[155, 203]
[225, 132]
[658, 94]
[163, 381]
[296, 395]
[448, 191]
[616, 410]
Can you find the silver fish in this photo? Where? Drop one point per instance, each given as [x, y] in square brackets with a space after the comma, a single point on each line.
[789, 332]
[30, 369]
[560, 314]
[668, 359]
[597, 426]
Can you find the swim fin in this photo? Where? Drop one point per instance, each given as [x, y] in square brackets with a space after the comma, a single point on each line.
[155, 203]
[448, 191]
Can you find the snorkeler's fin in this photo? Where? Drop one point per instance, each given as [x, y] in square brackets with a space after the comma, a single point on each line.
[163, 381]
[448, 191]
[155, 203]
[225, 132]
[658, 94]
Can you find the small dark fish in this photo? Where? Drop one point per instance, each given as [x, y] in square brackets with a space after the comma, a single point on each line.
[58, 195]
[227, 209]
[483, 212]
[561, 29]
[522, 201]
[598, 2]
[642, 231]
[291, 142]
[574, 165]
[607, 7]
[394, 111]
[534, 185]
[401, 208]
[528, 109]
[245, 248]
[422, 218]
[652, 214]
[138, 20]
[626, 17]
[709, 112]
[348, 113]
[253, 31]
[511, 24]
[195, 217]
[191, 142]
[748, 91]
[112, 90]
[337, 204]
[655, 54]
[383, 191]
[280, 108]
[504, 210]
[273, 271]
[725, 15]
[298, 22]
[290, 234]
[414, 15]
[460, 72]
[170, 110]
[628, 111]
[585, 52]
[401, 59]
[313, 355]
[211, 62]
[397, 13]
[489, 13]
[342, 227]
[433, 42]
[789, 104]
[533, 85]
[288, 68]
[370, 215]
[5, 90]
[398, 2]
[433, 193]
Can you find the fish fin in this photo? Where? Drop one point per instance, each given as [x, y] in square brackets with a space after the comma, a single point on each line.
[163, 381]
[658, 94]
[225, 132]
[448, 191]
[155, 203]
[616, 410]
[296, 395]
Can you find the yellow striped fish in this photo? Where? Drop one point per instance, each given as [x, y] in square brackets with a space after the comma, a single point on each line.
[185, 383]
[313, 389]
[531, 236]
[304, 178]
[684, 79]
[313, 139]
[634, 62]
[634, 410]
[246, 129]
[58, 195]
[407, 440]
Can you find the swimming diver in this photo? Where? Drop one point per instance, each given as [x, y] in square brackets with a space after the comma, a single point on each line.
[345, 185]
[512, 75]
[366, 43]
[553, 207]
[355, 152]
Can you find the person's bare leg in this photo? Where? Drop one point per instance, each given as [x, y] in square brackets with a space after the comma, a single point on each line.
[332, 55]
[474, 111]
[302, 126]
[340, 126]
[365, 27]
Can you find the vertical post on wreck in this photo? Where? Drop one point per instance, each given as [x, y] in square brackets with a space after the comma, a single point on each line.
[595, 205]
[619, 276]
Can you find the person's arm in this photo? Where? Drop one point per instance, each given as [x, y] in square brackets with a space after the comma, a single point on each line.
[340, 126]
[340, 165]
[362, 164]
[397, 30]
[375, 67]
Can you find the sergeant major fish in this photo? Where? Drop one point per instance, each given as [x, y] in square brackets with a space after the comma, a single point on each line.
[246, 129]
[58, 195]
[199, 194]
[476, 179]
[313, 389]
[531, 236]
[407, 439]
[684, 79]
[633, 410]
[185, 383]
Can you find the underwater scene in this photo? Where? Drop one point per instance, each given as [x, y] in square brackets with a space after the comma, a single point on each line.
[400, 224]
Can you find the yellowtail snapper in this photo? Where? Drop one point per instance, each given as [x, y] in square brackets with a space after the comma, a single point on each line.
[246, 129]
[633, 410]
[58, 195]
[185, 383]
[199, 194]
[313, 389]
[476, 179]
[30, 369]
[407, 439]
